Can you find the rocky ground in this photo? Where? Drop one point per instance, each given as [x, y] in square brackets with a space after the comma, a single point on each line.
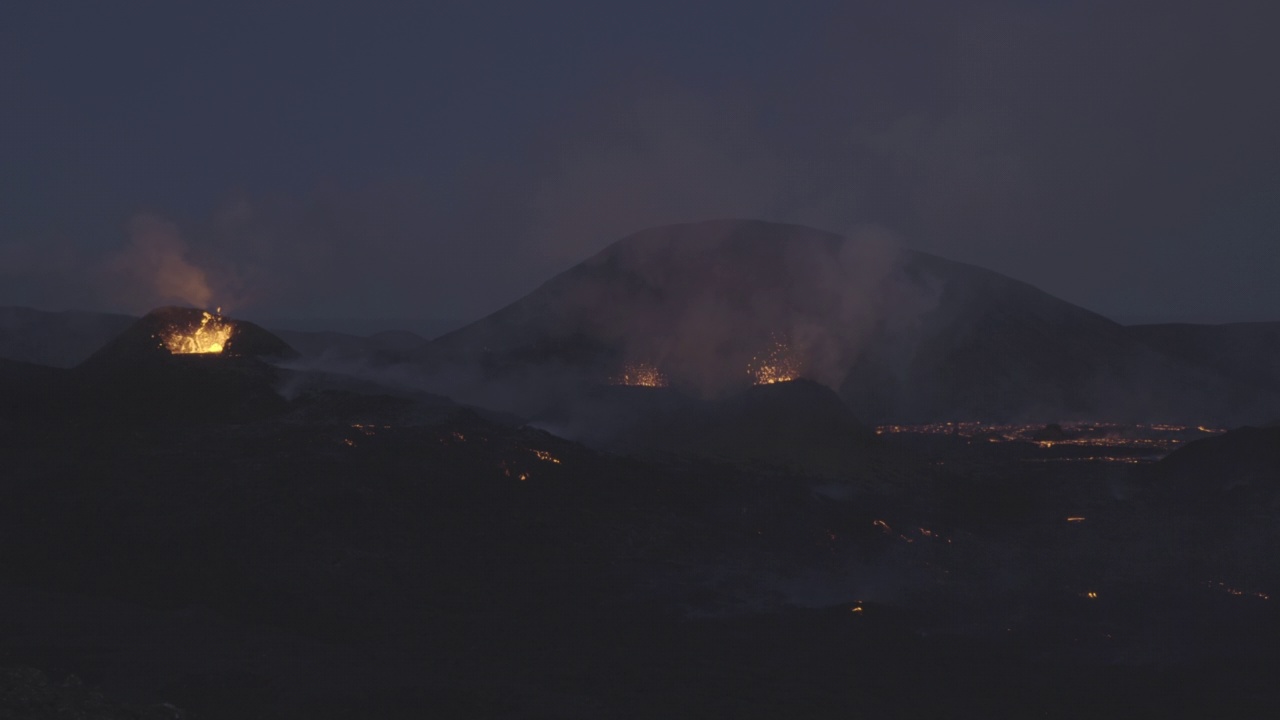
[343, 554]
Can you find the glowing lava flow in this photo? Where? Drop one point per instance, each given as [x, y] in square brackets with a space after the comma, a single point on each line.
[210, 336]
[545, 456]
[777, 366]
[641, 375]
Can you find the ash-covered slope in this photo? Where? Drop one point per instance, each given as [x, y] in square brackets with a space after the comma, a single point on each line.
[902, 335]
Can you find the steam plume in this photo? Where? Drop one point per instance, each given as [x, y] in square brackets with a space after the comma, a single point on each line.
[153, 268]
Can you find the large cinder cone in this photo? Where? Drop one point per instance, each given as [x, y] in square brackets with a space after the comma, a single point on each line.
[145, 340]
[136, 378]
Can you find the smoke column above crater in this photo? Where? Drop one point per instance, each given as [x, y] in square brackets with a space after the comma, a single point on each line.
[153, 268]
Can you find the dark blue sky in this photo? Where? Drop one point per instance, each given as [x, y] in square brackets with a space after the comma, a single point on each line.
[433, 161]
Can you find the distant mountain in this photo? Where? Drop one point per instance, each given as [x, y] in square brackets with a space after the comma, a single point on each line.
[1246, 353]
[347, 346]
[901, 335]
[57, 339]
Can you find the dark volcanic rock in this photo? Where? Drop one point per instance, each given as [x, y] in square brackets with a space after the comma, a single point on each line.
[800, 425]
[1240, 468]
[15, 376]
[348, 560]
[32, 397]
[29, 694]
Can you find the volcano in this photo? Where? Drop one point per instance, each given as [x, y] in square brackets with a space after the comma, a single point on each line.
[152, 372]
[901, 335]
[714, 499]
[174, 331]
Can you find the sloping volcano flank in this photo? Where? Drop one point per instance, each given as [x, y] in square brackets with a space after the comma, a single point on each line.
[700, 301]
[902, 335]
[706, 304]
[215, 373]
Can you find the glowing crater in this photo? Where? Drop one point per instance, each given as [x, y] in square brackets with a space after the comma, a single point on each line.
[641, 375]
[210, 336]
[776, 365]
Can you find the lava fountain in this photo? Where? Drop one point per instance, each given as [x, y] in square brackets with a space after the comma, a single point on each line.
[776, 365]
[210, 336]
[641, 375]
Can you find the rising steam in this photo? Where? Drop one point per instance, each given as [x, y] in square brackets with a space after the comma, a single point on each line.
[709, 307]
[710, 299]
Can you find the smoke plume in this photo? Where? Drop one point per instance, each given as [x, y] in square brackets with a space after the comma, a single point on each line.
[153, 268]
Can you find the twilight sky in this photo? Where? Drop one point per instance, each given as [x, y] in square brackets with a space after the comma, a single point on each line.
[423, 164]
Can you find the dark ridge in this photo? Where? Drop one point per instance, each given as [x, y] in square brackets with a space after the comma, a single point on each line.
[346, 346]
[58, 339]
[1238, 469]
[1248, 354]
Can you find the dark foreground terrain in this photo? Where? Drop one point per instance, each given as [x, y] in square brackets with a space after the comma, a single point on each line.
[181, 541]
